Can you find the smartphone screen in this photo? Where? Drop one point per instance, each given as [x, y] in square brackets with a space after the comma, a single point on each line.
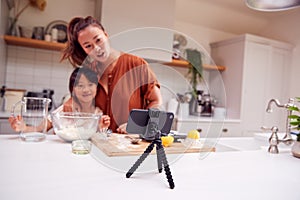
[139, 118]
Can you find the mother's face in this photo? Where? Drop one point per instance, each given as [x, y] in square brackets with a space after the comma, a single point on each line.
[95, 43]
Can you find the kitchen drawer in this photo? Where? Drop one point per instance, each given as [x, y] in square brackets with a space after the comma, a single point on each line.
[184, 127]
[232, 130]
[5, 127]
[210, 129]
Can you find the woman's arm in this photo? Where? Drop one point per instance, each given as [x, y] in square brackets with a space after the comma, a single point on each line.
[154, 98]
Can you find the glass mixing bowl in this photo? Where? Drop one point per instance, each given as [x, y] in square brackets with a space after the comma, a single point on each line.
[75, 126]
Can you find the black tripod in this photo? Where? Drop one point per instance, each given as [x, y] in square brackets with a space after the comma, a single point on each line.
[152, 128]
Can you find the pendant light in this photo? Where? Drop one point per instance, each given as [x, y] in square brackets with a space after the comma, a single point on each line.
[272, 5]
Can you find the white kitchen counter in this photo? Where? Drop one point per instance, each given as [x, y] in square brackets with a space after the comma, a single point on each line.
[48, 170]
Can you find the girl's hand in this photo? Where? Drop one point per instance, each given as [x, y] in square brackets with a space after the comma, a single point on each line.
[104, 121]
[17, 123]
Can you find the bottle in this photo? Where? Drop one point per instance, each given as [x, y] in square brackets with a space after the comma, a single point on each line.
[54, 33]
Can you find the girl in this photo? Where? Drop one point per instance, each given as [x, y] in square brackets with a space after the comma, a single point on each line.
[83, 85]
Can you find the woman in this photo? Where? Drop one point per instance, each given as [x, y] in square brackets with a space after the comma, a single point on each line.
[126, 82]
[83, 85]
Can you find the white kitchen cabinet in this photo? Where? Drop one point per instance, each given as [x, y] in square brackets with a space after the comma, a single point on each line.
[5, 127]
[256, 72]
[209, 127]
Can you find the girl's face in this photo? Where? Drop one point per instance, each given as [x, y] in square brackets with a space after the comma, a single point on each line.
[85, 91]
[95, 43]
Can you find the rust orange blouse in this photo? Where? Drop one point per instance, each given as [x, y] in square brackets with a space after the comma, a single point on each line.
[130, 85]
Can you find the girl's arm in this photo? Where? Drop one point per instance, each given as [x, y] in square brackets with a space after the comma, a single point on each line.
[17, 124]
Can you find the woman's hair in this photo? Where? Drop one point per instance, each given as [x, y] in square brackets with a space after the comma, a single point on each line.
[73, 51]
[75, 77]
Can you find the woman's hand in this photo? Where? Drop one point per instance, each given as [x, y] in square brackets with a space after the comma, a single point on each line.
[122, 128]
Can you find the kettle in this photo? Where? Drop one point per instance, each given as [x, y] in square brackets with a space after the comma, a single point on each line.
[46, 93]
[208, 104]
[195, 106]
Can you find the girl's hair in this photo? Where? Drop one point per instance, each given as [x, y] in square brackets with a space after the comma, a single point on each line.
[73, 51]
[75, 77]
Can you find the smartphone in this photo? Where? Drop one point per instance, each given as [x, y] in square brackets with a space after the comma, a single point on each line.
[139, 118]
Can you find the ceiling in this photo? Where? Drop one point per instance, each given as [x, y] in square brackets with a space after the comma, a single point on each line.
[231, 16]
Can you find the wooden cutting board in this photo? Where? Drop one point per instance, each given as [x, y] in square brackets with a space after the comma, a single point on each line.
[118, 145]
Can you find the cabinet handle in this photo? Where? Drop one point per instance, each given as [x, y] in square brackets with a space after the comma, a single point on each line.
[225, 130]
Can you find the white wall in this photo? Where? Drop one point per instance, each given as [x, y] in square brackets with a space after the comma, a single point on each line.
[3, 24]
[56, 10]
[199, 37]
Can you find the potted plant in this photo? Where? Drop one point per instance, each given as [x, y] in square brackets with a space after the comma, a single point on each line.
[193, 56]
[17, 10]
[295, 123]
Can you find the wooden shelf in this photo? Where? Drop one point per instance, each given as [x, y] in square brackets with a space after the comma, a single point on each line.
[186, 64]
[28, 42]
[41, 44]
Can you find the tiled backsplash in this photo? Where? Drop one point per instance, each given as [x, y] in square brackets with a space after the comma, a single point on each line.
[36, 69]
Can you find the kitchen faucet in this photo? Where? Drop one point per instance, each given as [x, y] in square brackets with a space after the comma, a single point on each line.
[277, 103]
[274, 140]
[287, 139]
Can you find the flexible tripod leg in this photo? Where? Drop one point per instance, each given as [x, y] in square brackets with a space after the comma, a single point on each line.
[159, 159]
[140, 160]
[161, 153]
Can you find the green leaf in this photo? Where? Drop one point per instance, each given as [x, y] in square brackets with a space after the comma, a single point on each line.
[296, 123]
[195, 60]
[294, 117]
[293, 108]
